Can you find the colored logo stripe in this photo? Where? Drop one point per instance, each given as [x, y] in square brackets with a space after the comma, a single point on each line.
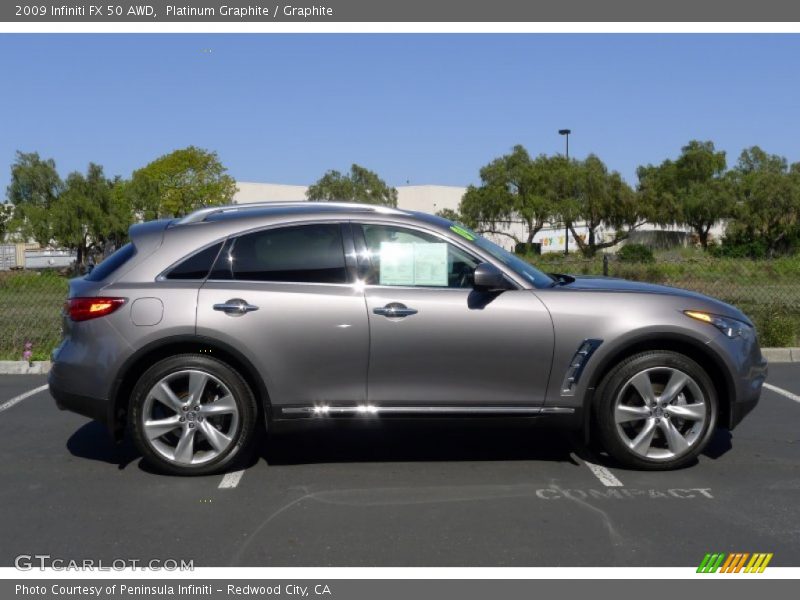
[734, 562]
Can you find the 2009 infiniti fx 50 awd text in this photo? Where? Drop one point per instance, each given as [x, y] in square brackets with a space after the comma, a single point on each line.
[202, 325]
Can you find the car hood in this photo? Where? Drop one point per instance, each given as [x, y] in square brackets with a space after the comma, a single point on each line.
[610, 284]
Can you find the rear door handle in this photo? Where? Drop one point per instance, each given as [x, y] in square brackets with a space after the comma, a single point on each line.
[235, 307]
[395, 310]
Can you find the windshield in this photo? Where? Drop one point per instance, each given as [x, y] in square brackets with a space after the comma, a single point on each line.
[512, 261]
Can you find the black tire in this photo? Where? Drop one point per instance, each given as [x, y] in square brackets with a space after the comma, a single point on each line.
[241, 437]
[614, 438]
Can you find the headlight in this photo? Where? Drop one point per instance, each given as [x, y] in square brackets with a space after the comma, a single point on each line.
[730, 327]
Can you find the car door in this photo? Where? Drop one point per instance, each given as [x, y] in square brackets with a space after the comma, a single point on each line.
[283, 297]
[436, 341]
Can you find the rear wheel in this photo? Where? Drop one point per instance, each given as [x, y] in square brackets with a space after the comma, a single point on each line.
[192, 415]
[656, 410]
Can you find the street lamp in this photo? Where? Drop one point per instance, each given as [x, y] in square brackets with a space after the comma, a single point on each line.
[565, 133]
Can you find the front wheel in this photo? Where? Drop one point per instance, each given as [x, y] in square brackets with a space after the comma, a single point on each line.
[192, 415]
[656, 410]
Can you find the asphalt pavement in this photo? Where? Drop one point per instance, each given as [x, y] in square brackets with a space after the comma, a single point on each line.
[399, 493]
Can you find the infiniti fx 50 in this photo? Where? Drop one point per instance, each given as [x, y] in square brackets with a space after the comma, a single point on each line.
[201, 326]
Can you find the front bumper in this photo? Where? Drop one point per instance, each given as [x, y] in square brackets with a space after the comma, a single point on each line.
[748, 392]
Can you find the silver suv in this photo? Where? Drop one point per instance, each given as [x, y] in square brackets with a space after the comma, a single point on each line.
[201, 326]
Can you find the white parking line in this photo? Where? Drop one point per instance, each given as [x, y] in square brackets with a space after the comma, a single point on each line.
[231, 480]
[606, 477]
[21, 397]
[782, 392]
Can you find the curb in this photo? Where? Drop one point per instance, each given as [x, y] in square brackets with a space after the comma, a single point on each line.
[781, 355]
[22, 367]
[42, 367]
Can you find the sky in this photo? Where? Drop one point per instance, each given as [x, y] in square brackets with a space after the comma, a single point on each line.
[419, 109]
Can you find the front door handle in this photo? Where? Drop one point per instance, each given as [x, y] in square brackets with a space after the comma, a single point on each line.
[395, 310]
[235, 307]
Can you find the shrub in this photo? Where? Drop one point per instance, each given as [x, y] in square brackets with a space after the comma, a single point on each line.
[776, 330]
[636, 253]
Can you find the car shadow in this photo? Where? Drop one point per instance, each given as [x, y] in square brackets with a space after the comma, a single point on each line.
[719, 444]
[404, 440]
[337, 441]
[395, 440]
[92, 441]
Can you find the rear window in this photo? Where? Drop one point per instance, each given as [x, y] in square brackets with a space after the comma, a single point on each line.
[196, 266]
[112, 263]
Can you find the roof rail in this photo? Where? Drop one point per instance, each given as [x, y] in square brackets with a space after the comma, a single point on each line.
[202, 214]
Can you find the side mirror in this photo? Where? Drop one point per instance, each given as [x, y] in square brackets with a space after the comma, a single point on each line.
[489, 278]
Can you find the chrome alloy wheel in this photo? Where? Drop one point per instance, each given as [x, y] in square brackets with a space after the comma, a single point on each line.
[660, 413]
[190, 417]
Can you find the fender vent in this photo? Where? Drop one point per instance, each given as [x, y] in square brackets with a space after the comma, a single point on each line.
[577, 365]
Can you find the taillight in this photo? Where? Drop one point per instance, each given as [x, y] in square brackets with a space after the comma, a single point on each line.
[83, 309]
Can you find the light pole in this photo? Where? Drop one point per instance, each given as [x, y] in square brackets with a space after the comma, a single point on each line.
[565, 133]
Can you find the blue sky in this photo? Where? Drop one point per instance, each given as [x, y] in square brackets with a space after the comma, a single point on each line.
[417, 108]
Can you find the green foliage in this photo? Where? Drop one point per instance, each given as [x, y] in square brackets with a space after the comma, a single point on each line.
[691, 190]
[91, 212]
[34, 187]
[178, 183]
[30, 306]
[767, 204]
[636, 253]
[598, 198]
[776, 328]
[360, 185]
[514, 187]
[6, 214]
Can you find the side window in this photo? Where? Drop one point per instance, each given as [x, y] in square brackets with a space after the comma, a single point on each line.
[301, 254]
[407, 257]
[196, 266]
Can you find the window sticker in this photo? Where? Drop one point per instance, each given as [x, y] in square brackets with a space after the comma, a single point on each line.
[413, 264]
[397, 264]
[430, 264]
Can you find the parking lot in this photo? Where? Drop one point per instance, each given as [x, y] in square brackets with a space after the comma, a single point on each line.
[399, 494]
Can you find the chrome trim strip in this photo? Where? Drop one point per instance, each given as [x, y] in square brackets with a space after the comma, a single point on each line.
[423, 410]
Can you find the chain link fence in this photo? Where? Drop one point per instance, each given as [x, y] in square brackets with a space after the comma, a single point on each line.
[30, 313]
[767, 290]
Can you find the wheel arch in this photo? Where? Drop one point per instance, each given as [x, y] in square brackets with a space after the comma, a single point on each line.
[148, 355]
[687, 345]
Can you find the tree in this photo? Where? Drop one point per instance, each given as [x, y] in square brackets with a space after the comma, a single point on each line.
[513, 187]
[767, 200]
[692, 190]
[34, 187]
[599, 198]
[177, 183]
[90, 212]
[360, 185]
[6, 213]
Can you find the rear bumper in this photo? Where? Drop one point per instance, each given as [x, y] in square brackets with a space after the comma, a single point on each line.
[98, 409]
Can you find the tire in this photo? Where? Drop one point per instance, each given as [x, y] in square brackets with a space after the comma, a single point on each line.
[193, 415]
[661, 433]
